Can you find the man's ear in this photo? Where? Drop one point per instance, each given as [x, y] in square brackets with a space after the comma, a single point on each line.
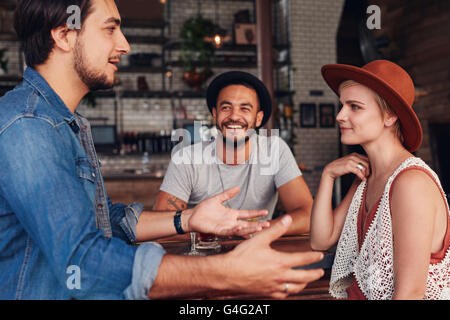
[259, 118]
[64, 38]
[214, 113]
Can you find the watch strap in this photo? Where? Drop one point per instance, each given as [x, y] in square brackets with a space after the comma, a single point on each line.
[177, 222]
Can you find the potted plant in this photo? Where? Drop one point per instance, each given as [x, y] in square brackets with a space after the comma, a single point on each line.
[3, 62]
[196, 54]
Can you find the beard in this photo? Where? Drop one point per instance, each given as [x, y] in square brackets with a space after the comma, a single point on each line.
[235, 142]
[93, 79]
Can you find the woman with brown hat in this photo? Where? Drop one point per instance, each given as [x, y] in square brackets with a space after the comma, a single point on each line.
[392, 227]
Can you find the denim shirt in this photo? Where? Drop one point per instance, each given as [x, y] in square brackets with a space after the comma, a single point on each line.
[61, 237]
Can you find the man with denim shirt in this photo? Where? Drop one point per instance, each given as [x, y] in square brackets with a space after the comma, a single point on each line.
[54, 211]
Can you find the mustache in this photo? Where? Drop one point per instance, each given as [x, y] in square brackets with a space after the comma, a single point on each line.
[234, 123]
[114, 58]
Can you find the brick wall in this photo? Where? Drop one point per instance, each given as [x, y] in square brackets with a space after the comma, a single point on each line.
[313, 39]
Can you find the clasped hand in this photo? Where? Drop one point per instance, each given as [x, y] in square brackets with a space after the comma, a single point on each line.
[355, 163]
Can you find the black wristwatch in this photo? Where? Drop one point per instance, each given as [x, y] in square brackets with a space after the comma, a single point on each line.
[177, 222]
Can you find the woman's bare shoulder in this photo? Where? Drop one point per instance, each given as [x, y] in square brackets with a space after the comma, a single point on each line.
[414, 187]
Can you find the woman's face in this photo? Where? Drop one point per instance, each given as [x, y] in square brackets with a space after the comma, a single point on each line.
[361, 120]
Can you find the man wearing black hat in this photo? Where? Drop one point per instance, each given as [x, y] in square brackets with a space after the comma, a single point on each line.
[263, 167]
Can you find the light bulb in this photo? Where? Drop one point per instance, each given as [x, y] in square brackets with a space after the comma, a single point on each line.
[217, 40]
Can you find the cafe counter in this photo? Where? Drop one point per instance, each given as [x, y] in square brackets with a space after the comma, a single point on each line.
[127, 180]
[129, 188]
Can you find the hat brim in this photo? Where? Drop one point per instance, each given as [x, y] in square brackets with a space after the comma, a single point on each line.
[335, 74]
[227, 78]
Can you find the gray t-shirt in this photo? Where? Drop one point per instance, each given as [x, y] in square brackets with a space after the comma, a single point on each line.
[195, 174]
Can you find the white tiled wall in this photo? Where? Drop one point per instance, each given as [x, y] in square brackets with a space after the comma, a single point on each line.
[313, 31]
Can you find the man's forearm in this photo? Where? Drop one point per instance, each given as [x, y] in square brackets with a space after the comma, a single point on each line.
[196, 276]
[159, 224]
[253, 267]
[300, 221]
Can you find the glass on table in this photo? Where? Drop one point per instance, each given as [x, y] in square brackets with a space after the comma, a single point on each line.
[193, 249]
[208, 241]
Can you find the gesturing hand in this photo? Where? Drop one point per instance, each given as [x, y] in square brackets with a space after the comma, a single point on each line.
[211, 216]
[256, 268]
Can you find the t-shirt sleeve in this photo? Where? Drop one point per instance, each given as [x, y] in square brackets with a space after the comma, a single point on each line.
[288, 168]
[178, 180]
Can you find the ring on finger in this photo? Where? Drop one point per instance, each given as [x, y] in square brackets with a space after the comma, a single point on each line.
[286, 287]
[360, 166]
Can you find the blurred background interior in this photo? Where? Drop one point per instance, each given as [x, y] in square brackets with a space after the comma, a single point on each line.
[178, 46]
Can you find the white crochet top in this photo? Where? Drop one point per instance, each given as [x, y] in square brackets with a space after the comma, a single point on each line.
[373, 265]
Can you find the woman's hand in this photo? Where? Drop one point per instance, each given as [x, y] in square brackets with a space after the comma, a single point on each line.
[326, 222]
[355, 163]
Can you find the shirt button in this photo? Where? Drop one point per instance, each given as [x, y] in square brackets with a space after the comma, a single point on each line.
[100, 206]
[93, 174]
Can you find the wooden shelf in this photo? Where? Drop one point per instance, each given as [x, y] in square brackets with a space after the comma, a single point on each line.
[10, 78]
[283, 93]
[147, 39]
[217, 64]
[143, 23]
[167, 94]
[176, 45]
[8, 4]
[8, 36]
[141, 69]
[151, 94]
[231, 64]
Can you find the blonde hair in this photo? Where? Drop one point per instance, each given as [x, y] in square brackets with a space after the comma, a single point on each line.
[385, 108]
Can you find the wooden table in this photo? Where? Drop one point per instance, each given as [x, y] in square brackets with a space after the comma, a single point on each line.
[317, 290]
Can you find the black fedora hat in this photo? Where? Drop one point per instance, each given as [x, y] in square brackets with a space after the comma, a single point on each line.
[240, 77]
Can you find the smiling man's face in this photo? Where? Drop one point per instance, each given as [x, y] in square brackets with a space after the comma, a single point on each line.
[237, 111]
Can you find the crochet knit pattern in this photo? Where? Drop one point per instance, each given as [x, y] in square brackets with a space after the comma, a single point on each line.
[373, 265]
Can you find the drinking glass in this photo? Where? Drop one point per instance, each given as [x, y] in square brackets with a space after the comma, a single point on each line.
[193, 251]
[208, 241]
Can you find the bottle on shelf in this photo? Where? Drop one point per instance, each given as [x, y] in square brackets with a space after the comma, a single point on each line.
[145, 163]
[150, 142]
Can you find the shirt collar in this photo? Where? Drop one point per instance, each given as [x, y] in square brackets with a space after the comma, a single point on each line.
[35, 79]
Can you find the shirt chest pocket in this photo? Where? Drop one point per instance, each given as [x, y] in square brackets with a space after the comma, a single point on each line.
[87, 176]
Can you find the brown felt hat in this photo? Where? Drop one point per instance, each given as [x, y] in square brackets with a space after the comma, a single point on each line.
[389, 81]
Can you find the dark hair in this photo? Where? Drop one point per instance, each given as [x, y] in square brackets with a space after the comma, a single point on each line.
[34, 20]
